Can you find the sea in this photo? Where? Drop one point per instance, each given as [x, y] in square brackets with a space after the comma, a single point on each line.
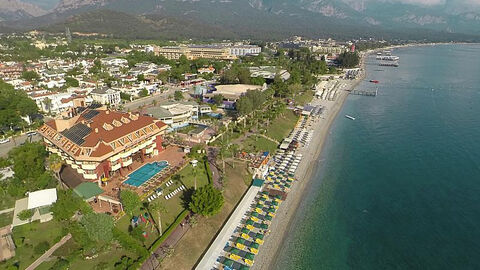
[399, 187]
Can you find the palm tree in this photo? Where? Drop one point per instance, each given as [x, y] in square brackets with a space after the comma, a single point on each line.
[55, 164]
[48, 104]
[158, 207]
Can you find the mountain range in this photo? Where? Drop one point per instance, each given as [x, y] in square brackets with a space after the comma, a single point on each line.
[258, 19]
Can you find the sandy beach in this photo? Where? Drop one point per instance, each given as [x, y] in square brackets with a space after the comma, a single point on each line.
[281, 225]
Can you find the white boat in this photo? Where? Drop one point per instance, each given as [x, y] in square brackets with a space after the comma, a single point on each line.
[350, 117]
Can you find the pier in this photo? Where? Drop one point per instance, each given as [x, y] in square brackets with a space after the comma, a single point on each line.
[368, 93]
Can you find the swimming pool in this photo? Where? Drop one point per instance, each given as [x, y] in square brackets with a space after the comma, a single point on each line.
[144, 173]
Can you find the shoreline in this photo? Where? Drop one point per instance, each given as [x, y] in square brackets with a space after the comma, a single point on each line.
[281, 226]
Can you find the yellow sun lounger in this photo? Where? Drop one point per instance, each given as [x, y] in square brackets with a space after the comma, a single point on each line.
[254, 219]
[259, 241]
[245, 236]
[235, 257]
[240, 246]
[258, 210]
[248, 262]
[265, 196]
[250, 227]
[271, 214]
[254, 250]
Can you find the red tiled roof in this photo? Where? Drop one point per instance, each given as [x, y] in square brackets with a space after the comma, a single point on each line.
[101, 150]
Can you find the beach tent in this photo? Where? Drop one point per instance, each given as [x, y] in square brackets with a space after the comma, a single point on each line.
[240, 246]
[259, 236]
[235, 257]
[254, 245]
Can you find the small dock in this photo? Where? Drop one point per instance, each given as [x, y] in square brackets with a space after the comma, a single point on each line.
[368, 93]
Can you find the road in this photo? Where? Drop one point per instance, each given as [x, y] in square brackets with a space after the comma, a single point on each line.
[4, 148]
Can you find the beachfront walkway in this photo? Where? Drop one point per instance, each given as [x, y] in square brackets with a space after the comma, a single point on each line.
[216, 248]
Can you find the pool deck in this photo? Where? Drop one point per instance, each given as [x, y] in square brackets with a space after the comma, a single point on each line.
[173, 154]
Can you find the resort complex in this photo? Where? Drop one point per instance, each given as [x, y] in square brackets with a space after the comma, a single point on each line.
[97, 143]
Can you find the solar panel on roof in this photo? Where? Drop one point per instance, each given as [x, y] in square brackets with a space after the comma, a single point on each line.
[90, 114]
[77, 133]
[95, 106]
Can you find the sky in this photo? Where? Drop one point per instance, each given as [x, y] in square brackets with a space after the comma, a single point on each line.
[438, 2]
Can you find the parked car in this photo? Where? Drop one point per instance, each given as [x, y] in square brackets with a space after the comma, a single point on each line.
[2, 141]
[31, 133]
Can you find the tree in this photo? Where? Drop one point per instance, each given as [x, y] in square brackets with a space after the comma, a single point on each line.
[206, 201]
[67, 204]
[157, 206]
[98, 227]
[125, 96]
[25, 214]
[125, 263]
[71, 82]
[60, 264]
[141, 77]
[13, 105]
[130, 201]
[178, 95]
[218, 99]
[55, 164]
[348, 59]
[30, 75]
[143, 93]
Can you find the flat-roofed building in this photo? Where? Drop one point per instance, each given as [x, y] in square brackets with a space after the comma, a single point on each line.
[177, 113]
[232, 92]
[98, 142]
[195, 52]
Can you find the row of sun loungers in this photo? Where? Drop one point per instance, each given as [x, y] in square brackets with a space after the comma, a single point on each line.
[173, 193]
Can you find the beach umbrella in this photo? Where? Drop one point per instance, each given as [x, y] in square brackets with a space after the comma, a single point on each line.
[255, 214]
[255, 219]
[268, 217]
[241, 241]
[228, 262]
[245, 230]
[254, 251]
[245, 236]
[259, 236]
[264, 226]
[249, 222]
[240, 246]
[249, 256]
[254, 245]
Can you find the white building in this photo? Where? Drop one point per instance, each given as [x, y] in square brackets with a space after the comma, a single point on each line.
[242, 50]
[106, 96]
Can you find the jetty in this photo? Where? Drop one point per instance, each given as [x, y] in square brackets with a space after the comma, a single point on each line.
[368, 93]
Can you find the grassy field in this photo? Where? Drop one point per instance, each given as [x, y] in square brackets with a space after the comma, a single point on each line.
[6, 219]
[27, 236]
[173, 207]
[255, 144]
[70, 251]
[281, 127]
[196, 240]
[304, 98]
[7, 201]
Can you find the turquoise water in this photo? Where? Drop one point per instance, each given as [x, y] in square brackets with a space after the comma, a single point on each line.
[399, 188]
[144, 173]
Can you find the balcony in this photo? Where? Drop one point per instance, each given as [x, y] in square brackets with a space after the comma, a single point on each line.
[89, 166]
[116, 166]
[127, 163]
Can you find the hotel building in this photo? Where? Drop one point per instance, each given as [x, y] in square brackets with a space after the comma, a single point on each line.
[193, 52]
[99, 142]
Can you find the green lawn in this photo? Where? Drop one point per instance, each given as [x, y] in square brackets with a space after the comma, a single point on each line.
[6, 219]
[281, 127]
[304, 98]
[27, 236]
[255, 144]
[7, 201]
[196, 240]
[173, 207]
[70, 251]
